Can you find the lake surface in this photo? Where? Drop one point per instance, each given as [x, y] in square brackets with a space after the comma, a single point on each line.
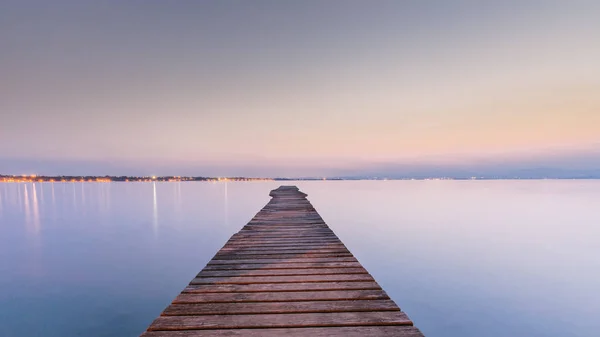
[462, 258]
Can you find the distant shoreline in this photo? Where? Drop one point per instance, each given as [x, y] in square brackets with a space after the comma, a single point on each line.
[108, 179]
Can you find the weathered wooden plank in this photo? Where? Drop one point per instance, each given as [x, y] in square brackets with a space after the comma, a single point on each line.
[285, 260]
[279, 287]
[324, 295]
[230, 256]
[335, 319]
[286, 224]
[264, 235]
[273, 229]
[283, 279]
[281, 244]
[300, 250]
[284, 245]
[266, 249]
[283, 249]
[286, 240]
[251, 242]
[283, 237]
[279, 307]
[254, 234]
[271, 243]
[284, 212]
[287, 213]
[249, 251]
[252, 266]
[279, 272]
[287, 234]
[286, 227]
[285, 230]
[360, 331]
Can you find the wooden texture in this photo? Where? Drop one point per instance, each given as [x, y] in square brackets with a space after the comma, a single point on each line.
[362, 331]
[267, 262]
[372, 318]
[282, 279]
[280, 272]
[249, 288]
[283, 296]
[249, 266]
[285, 273]
[279, 307]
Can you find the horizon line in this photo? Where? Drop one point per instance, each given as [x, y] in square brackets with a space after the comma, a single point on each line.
[33, 178]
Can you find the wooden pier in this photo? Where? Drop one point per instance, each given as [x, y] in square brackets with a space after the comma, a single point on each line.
[283, 274]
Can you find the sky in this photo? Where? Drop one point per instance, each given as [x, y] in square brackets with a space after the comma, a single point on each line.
[298, 88]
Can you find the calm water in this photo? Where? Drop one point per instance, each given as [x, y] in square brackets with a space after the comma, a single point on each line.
[462, 258]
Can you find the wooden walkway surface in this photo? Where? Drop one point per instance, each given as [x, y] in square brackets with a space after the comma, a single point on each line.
[283, 274]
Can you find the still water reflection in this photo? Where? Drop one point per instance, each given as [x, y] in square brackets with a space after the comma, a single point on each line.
[468, 258]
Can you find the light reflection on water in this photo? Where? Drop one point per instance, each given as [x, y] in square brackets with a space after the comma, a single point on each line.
[155, 211]
[35, 214]
[462, 258]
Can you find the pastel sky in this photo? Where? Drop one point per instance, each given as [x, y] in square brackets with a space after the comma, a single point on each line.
[296, 88]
